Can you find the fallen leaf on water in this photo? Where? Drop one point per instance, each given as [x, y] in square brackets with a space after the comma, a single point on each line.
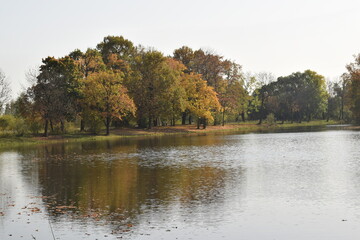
[35, 209]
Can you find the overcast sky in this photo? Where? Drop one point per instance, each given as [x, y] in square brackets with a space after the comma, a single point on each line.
[278, 36]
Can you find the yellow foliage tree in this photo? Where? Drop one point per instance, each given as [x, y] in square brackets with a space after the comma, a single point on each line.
[106, 97]
[201, 98]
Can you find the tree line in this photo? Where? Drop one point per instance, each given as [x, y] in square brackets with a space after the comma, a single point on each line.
[120, 84]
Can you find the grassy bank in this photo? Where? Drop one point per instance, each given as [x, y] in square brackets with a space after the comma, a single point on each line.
[13, 141]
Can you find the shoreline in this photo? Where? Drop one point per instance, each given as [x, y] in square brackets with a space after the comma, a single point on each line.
[247, 127]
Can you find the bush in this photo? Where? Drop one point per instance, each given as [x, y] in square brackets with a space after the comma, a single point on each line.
[7, 123]
[10, 125]
[93, 121]
[20, 127]
[270, 119]
[34, 126]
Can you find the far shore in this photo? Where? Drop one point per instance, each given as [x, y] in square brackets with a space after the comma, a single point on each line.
[244, 127]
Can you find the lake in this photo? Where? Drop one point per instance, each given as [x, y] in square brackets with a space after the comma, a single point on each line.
[295, 185]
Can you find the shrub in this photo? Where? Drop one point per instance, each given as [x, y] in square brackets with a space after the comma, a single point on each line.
[270, 119]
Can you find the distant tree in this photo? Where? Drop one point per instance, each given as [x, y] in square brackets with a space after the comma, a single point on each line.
[155, 88]
[89, 63]
[174, 99]
[232, 95]
[56, 91]
[5, 91]
[201, 98]
[186, 56]
[314, 94]
[262, 92]
[224, 76]
[342, 90]
[106, 97]
[353, 76]
[286, 92]
[116, 46]
[252, 103]
[302, 95]
[333, 101]
[210, 66]
[24, 108]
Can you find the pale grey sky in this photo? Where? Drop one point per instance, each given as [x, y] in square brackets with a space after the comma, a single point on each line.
[279, 36]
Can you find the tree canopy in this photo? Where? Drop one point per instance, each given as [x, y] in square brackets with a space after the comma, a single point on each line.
[120, 84]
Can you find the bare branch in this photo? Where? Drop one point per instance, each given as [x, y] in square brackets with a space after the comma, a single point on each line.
[5, 91]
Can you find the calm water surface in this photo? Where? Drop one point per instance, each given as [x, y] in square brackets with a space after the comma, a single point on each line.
[303, 185]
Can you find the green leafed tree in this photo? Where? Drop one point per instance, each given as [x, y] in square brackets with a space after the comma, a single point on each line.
[116, 45]
[56, 92]
[155, 87]
[353, 77]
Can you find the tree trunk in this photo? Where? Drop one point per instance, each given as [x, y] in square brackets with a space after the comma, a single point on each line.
[223, 117]
[190, 120]
[46, 133]
[62, 126]
[342, 109]
[108, 121]
[51, 126]
[261, 111]
[82, 125]
[204, 123]
[183, 118]
[243, 116]
[198, 123]
[150, 123]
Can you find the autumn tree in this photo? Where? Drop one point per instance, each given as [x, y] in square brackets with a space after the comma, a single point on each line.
[154, 86]
[223, 75]
[232, 95]
[118, 45]
[106, 97]
[201, 99]
[186, 56]
[88, 63]
[210, 66]
[174, 100]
